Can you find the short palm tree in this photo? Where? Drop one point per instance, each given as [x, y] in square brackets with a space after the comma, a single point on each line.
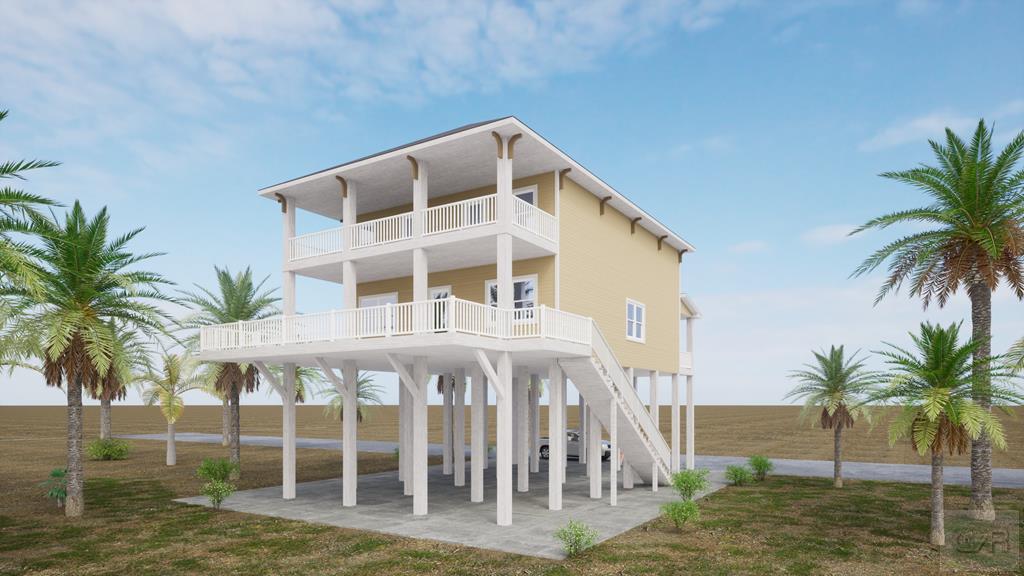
[237, 298]
[129, 356]
[1016, 356]
[87, 282]
[836, 386]
[307, 381]
[18, 211]
[974, 241]
[179, 374]
[367, 393]
[934, 385]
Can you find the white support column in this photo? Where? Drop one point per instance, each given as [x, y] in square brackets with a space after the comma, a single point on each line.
[503, 463]
[522, 430]
[613, 462]
[420, 286]
[534, 423]
[350, 284]
[478, 434]
[419, 437]
[459, 422]
[486, 428]
[675, 423]
[419, 195]
[594, 458]
[288, 446]
[447, 397]
[689, 397]
[582, 443]
[654, 408]
[628, 479]
[350, 446]
[556, 432]
[349, 209]
[405, 450]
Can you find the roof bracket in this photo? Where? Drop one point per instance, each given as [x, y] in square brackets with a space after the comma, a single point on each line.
[511, 145]
[603, 202]
[632, 224]
[282, 201]
[561, 177]
[660, 240]
[415, 168]
[344, 186]
[681, 252]
[497, 139]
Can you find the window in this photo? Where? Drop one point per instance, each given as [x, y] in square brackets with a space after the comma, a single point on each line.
[528, 194]
[374, 322]
[440, 292]
[635, 321]
[524, 292]
[440, 308]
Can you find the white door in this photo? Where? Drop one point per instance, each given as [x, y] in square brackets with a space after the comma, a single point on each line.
[375, 322]
[440, 312]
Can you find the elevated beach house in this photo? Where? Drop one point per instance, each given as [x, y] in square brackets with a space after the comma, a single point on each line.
[490, 257]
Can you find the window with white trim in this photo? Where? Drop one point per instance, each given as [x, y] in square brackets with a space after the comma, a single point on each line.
[524, 292]
[636, 321]
[527, 194]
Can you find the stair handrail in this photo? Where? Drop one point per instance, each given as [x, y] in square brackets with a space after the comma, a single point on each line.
[602, 351]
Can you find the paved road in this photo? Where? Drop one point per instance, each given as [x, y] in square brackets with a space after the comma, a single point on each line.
[917, 473]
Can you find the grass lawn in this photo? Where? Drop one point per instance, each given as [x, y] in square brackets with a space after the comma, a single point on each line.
[784, 525]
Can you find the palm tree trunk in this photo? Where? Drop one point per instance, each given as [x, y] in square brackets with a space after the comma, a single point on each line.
[104, 418]
[981, 448]
[837, 467]
[234, 439]
[938, 532]
[74, 506]
[172, 453]
[225, 424]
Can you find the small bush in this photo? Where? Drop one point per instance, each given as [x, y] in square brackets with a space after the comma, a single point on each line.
[689, 483]
[761, 466]
[738, 475]
[216, 469]
[576, 537]
[681, 512]
[217, 491]
[56, 486]
[109, 449]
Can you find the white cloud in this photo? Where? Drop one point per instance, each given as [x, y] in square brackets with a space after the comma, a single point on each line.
[828, 234]
[918, 129]
[749, 247]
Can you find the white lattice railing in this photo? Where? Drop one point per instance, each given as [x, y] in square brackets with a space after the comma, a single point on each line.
[315, 244]
[459, 215]
[390, 320]
[379, 231]
[532, 218]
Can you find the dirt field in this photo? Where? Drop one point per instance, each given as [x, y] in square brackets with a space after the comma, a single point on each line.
[721, 430]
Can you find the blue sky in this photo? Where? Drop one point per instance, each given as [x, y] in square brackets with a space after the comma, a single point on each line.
[756, 130]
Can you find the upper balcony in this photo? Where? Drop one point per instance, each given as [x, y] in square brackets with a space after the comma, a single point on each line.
[474, 214]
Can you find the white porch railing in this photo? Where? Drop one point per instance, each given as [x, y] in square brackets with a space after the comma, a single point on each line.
[379, 231]
[391, 320]
[460, 215]
[532, 218]
[315, 244]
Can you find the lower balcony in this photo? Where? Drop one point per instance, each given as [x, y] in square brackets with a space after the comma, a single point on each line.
[392, 323]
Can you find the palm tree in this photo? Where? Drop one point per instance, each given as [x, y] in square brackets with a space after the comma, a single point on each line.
[129, 355]
[837, 386]
[237, 299]
[85, 285]
[975, 241]
[1016, 356]
[307, 381]
[180, 374]
[935, 386]
[367, 393]
[18, 210]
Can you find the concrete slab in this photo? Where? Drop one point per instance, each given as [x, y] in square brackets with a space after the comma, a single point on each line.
[453, 518]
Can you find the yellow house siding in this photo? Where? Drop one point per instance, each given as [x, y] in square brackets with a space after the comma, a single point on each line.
[469, 283]
[545, 196]
[602, 264]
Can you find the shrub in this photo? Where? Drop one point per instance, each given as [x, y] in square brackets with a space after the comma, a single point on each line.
[108, 449]
[216, 469]
[217, 491]
[576, 537]
[56, 486]
[689, 483]
[761, 466]
[681, 512]
[738, 475]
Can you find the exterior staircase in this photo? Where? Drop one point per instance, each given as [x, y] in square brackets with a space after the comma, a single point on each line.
[602, 380]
